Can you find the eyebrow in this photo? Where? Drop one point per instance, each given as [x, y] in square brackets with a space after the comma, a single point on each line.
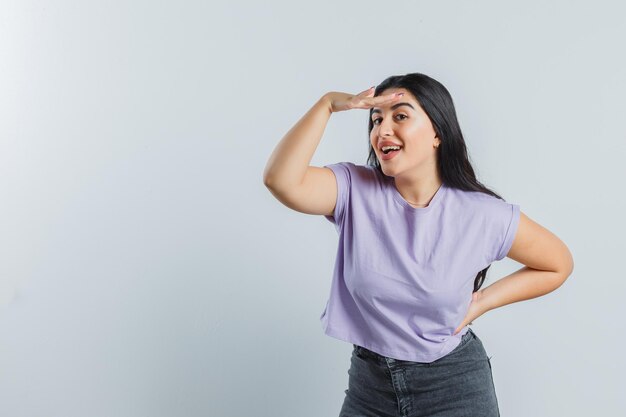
[395, 106]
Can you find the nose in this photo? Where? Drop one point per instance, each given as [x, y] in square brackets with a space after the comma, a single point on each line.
[384, 128]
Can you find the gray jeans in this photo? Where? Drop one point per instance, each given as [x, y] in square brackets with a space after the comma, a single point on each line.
[459, 384]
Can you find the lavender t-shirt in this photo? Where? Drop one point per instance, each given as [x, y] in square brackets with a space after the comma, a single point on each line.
[404, 276]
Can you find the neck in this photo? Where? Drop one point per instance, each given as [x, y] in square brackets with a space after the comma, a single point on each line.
[418, 191]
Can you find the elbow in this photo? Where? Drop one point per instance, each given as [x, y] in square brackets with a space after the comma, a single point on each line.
[268, 179]
[275, 190]
[271, 185]
[271, 181]
[567, 265]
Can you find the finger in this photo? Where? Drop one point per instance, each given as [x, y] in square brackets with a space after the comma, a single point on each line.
[371, 102]
[367, 92]
[395, 95]
[389, 97]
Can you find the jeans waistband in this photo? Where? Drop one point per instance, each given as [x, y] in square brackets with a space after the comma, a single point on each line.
[362, 351]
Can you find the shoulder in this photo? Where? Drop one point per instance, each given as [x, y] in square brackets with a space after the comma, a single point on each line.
[478, 205]
[478, 198]
[354, 171]
[351, 166]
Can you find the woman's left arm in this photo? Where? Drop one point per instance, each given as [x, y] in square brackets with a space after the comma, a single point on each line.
[548, 262]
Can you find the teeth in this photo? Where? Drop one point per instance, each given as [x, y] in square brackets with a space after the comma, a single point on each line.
[386, 148]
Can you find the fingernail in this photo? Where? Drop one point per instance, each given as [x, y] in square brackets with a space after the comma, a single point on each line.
[399, 94]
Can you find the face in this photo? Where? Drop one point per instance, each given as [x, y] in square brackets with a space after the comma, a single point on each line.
[403, 122]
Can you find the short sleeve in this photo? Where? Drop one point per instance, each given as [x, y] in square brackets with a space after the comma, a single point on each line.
[342, 176]
[505, 219]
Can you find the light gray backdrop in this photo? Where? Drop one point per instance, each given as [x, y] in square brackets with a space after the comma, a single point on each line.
[146, 271]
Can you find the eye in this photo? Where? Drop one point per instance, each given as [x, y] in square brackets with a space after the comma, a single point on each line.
[380, 118]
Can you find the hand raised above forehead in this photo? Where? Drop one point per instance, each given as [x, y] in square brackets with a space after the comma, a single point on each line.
[364, 100]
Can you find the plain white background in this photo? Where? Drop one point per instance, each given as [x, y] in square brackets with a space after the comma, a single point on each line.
[145, 270]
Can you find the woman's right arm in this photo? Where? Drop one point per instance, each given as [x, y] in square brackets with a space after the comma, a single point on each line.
[288, 175]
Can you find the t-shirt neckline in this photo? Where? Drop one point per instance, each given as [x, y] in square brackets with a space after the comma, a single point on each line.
[433, 202]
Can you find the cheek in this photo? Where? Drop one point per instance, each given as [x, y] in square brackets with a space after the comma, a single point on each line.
[417, 136]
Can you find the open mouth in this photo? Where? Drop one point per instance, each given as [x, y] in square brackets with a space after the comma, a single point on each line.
[390, 152]
[389, 149]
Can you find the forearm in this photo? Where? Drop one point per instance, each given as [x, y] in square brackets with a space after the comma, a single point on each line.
[523, 284]
[290, 159]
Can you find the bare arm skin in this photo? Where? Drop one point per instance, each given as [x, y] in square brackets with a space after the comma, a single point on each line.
[290, 159]
[548, 264]
[288, 175]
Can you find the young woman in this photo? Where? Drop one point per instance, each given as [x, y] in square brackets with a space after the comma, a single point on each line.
[417, 234]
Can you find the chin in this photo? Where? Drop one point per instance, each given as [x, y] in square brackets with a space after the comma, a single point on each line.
[388, 171]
